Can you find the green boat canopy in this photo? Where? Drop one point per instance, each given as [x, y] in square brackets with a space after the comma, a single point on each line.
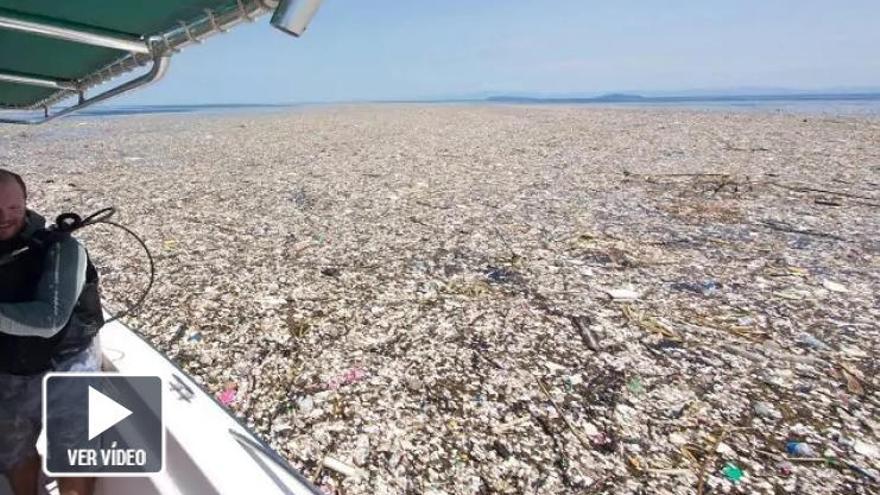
[55, 49]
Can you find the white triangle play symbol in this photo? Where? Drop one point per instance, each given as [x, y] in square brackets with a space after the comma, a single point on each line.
[104, 412]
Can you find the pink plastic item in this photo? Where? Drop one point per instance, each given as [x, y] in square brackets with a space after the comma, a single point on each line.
[227, 396]
[347, 378]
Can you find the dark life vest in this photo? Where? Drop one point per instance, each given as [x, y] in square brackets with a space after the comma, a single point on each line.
[18, 283]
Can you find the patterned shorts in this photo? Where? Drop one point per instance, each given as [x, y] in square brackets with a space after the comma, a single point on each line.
[21, 407]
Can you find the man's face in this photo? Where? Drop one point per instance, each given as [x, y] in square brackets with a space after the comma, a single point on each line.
[12, 210]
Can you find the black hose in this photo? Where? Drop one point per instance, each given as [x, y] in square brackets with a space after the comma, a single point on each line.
[71, 222]
[101, 215]
[137, 305]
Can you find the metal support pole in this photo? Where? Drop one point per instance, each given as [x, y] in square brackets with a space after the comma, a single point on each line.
[31, 80]
[160, 66]
[85, 35]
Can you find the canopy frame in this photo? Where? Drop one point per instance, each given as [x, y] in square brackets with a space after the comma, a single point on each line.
[160, 66]
[89, 36]
[38, 81]
[156, 49]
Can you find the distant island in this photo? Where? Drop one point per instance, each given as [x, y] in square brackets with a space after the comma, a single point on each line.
[634, 98]
[868, 97]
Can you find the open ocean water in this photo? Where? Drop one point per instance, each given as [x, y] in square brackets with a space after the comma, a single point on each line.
[828, 107]
[862, 104]
[867, 104]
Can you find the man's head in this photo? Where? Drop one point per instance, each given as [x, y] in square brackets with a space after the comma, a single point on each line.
[13, 204]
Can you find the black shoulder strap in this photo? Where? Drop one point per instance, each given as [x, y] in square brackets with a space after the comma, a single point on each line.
[13, 255]
[40, 241]
[91, 271]
[45, 238]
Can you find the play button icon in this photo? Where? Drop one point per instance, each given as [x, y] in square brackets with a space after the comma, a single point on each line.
[102, 424]
[104, 413]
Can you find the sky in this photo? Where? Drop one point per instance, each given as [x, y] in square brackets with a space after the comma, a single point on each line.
[423, 49]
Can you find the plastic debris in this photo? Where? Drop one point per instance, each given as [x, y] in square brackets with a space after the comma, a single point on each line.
[414, 383]
[834, 286]
[866, 449]
[851, 376]
[766, 410]
[706, 287]
[853, 351]
[745, 321]
[677, 439]
[499, 275]
[870, 474]
[623, 294]
[792, 294]
[732, 472]
[583, 326]
[330, 271]
[786, 468]
[305, 405]
[725, 450]
[412, 204]
[573, 380]
[812, 342]
[341, 467]
[590, 430]
[227, 396]
[602, 442]
[351, 376]
[800, 449]
[635, 385]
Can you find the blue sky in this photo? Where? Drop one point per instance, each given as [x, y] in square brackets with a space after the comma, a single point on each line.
[384, 49]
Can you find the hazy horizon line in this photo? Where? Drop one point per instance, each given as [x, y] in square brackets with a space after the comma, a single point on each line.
[488, 96]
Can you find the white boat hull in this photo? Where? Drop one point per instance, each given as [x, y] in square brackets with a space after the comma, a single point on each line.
[207, 451]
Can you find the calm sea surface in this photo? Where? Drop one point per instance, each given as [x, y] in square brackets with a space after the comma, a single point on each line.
[817, 104]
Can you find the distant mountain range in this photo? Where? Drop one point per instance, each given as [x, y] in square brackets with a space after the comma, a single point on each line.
[734, 96]
[691, 98]
[651, 93]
